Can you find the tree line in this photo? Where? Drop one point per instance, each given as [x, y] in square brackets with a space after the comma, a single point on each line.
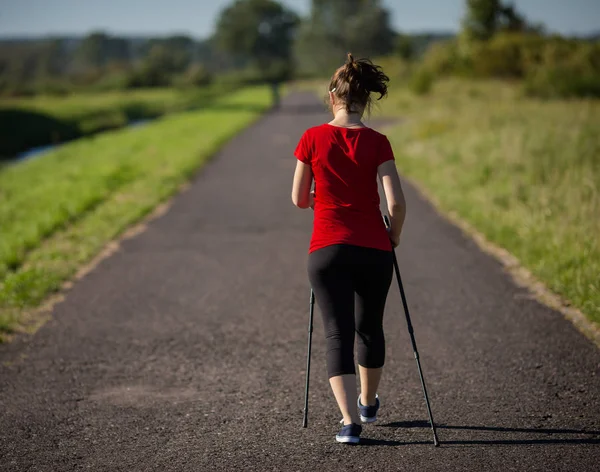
[263, 40]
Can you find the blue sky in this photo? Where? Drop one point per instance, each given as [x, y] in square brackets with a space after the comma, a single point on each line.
[196, 17]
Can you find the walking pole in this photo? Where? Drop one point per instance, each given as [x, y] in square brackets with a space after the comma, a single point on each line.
[310, 330]
[412, 339]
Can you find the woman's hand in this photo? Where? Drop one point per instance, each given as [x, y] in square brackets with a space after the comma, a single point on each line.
[395, 241]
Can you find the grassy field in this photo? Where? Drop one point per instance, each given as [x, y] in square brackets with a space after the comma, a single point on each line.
[58, 211]
[42, 120]
[526, 173]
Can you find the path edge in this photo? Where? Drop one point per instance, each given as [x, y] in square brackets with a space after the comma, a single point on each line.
[34, 318]
[519, 274]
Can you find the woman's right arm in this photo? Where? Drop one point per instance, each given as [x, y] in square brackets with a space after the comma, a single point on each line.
[396, 204]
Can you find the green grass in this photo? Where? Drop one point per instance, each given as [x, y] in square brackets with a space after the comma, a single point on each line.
[58, 211]
[524, 172]
[42, 120]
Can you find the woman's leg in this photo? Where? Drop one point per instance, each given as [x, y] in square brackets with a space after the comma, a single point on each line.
[369, 383]
[372, 287]
[334, 293]
[344, 390]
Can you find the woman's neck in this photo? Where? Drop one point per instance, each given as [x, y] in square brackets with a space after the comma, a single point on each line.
[341, 117]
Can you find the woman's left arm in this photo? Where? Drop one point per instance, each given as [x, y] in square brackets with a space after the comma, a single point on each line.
[301, 194]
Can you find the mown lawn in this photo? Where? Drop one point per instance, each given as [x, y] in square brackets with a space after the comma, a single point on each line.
[59, 210]
[524, 172]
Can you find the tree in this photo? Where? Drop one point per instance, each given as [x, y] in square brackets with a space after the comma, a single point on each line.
[98, 49]
[336, 27]
[52, 60]
[511, 19]
[179, 48]
[481, 19]
[405, 47]
[263, 31]
[484, 18]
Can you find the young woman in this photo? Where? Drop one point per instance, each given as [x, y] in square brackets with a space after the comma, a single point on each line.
[350, 260]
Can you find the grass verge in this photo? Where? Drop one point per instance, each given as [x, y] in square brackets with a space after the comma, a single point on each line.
[58, 211]
[524, 172]
[30, 122]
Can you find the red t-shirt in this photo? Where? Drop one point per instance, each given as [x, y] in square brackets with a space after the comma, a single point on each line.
[344, 163]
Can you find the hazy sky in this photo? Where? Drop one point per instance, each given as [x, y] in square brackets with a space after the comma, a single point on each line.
[196, 17]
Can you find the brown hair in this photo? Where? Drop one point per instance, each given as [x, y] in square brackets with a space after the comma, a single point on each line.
[354, 82]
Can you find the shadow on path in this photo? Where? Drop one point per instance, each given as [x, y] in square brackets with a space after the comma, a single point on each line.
[384, 442]
[525, 441]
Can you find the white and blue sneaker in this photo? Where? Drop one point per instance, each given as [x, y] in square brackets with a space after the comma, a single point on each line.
[349, 434]
[368, 414]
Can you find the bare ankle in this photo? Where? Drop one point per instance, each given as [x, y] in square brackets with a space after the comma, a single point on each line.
[351, 419]
[368, 401]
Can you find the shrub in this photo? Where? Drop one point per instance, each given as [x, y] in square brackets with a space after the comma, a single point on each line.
[563, 81]
[421, 81]
[443, 58]
[16, 89]
[55, 88]
[507, 55]
[147, 76]
[112, 81]
[566, 71]
[395, 67]
[551, 66]
[195, 76]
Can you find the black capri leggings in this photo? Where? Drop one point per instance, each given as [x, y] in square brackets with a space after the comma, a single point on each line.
[351, 284]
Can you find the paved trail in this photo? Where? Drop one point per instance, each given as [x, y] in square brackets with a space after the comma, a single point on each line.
[185, 351]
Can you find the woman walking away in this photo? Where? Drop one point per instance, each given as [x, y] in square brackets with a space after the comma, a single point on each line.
[350, 256]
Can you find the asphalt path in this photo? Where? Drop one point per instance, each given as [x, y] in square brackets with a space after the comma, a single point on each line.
[185, 350]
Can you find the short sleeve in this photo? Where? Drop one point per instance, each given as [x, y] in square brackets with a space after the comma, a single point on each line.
[303, 151]
[385, 151]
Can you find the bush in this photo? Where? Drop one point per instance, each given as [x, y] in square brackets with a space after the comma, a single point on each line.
[239, 78]
[562, 81]
[147, 76]
[14, 89]
[507, 55]
[443, 58]
[55, 88]
[112, 81]
[195, 76]
[395, 67]
[566, 71]
[551, 66]
[422, 81]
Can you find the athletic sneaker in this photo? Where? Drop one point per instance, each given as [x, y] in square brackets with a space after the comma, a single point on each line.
[368, 414]
[349, 434]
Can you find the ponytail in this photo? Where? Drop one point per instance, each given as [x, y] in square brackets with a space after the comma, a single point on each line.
[354, 82]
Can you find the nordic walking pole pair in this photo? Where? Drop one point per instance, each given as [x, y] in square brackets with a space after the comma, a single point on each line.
[412, 338]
